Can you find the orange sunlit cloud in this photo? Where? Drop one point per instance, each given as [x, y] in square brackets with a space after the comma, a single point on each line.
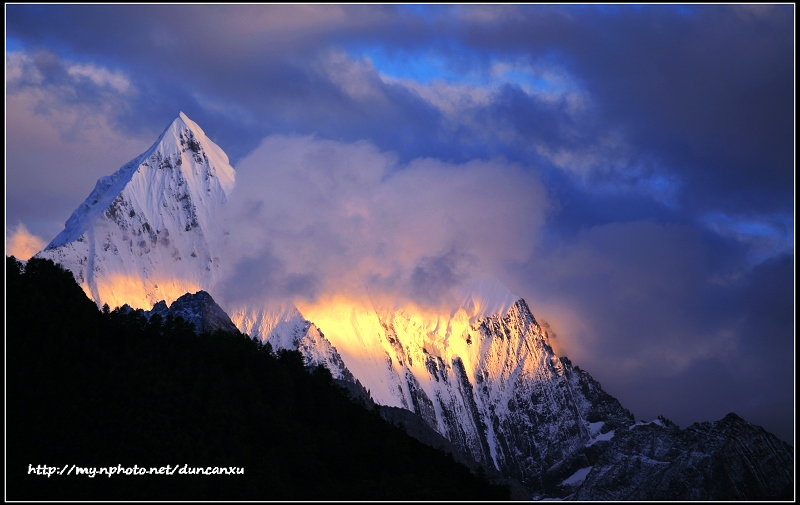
[22, 244]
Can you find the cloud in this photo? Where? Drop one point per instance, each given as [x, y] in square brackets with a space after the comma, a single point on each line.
[102, 77]
[538, 109]
[765, 236]
[356, 78]
[263, 277]
[434, 276]
[342, 218]
[22, 244]
[66, 134]
[635, 285]
[67, 81]
[641, 306]
[672, 104]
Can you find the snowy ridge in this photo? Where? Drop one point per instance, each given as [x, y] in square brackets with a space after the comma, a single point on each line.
[103, 195]
[108, 188]
[284, 327]
[491, 385]
[276, 323]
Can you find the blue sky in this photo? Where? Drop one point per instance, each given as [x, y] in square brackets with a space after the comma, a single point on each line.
[633, 166]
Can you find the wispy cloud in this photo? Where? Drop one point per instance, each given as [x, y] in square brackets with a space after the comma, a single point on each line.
[101, 77]
[765, 236]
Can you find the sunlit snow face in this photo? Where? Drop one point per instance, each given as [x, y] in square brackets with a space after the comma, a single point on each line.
[118, 289]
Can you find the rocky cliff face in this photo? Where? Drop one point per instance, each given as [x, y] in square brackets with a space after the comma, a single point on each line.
[490, 384]
[730, 459]
[512, 404]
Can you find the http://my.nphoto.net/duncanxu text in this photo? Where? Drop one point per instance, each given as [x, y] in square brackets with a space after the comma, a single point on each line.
[91, 472]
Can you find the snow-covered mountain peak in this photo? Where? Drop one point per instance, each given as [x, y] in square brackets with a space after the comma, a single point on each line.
[184, 134]
[183, 149]
[151, 230]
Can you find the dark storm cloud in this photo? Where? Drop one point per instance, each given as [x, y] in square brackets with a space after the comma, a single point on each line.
[766, 364]
[702, 90]
[257, 59]
[708, 88]
[657, 64]
[673, 321]
[755, 379]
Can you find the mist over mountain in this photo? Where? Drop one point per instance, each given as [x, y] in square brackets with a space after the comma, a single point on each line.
[412, 319]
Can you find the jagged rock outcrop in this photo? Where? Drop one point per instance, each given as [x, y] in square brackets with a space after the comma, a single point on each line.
[729, 459]
[202, 311]
[198, 309]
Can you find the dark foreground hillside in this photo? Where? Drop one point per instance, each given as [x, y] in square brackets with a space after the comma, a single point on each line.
[102, 389]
